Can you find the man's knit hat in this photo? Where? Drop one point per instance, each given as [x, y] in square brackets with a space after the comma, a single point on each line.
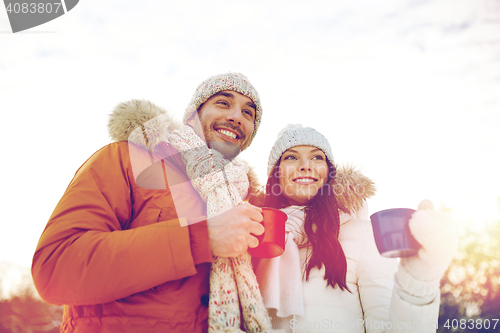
[228, 81]
[295, 135]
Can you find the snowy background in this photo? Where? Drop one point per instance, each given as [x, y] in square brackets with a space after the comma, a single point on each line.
[407, 90]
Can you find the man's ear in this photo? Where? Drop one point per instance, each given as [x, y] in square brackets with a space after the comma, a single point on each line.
[194, 123]
[192, 120]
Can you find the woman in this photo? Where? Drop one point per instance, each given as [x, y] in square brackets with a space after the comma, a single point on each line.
[331, 277]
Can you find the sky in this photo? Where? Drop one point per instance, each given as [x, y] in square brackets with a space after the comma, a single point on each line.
[408, 91]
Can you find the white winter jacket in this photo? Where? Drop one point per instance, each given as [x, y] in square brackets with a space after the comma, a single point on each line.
[376, 303]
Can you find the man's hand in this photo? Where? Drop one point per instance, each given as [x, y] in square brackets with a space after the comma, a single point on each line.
[230, 232]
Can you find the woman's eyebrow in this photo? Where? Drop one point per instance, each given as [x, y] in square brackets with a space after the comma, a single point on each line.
[313, 150]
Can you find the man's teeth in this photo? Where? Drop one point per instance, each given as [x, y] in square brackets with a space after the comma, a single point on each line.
[304, 180]
[227, 133]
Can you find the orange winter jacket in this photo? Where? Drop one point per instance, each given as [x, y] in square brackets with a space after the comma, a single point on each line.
[122, 250]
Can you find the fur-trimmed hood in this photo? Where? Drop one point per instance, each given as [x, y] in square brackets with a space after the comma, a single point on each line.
[147, 125]
[352, 189]
[142, 123]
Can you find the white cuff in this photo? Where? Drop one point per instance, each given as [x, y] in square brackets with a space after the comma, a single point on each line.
[413, 290]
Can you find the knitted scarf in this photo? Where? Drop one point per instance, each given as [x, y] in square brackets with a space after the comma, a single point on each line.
[223, 184]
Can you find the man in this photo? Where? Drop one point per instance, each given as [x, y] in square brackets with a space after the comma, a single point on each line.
[128, 247]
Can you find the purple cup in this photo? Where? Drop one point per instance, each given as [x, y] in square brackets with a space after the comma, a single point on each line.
[392, 233]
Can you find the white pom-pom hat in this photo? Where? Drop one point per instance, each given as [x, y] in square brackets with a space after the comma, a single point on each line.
[296, 135]
[228, 81]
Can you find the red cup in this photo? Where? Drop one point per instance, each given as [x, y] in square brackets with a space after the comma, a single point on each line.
[272, 241]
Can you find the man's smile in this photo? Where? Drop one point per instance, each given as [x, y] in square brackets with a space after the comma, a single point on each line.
[227, 133]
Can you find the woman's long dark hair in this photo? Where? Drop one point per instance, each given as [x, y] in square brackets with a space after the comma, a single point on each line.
[322, 224]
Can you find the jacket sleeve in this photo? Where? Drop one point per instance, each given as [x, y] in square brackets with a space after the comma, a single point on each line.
[383, 307]
[375, 283]
[85, 257]
[414, 314]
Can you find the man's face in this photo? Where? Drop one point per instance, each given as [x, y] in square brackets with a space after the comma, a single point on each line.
[226, 121]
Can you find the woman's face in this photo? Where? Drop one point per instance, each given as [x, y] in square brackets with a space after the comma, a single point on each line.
[303, 170]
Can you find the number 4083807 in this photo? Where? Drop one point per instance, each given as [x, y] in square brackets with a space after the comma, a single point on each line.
[471, 324]
[33, 8]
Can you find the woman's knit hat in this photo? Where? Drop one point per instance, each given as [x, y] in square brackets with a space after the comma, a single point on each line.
[228, 81]
[295, 135]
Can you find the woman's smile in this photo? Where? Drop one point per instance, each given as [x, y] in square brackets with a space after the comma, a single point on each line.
[305, 180]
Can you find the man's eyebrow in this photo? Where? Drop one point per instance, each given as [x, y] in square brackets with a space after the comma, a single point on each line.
[252, 105]
[230, 95]
[224, 93]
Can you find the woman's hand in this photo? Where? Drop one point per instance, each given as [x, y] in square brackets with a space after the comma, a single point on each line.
[436, 232]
